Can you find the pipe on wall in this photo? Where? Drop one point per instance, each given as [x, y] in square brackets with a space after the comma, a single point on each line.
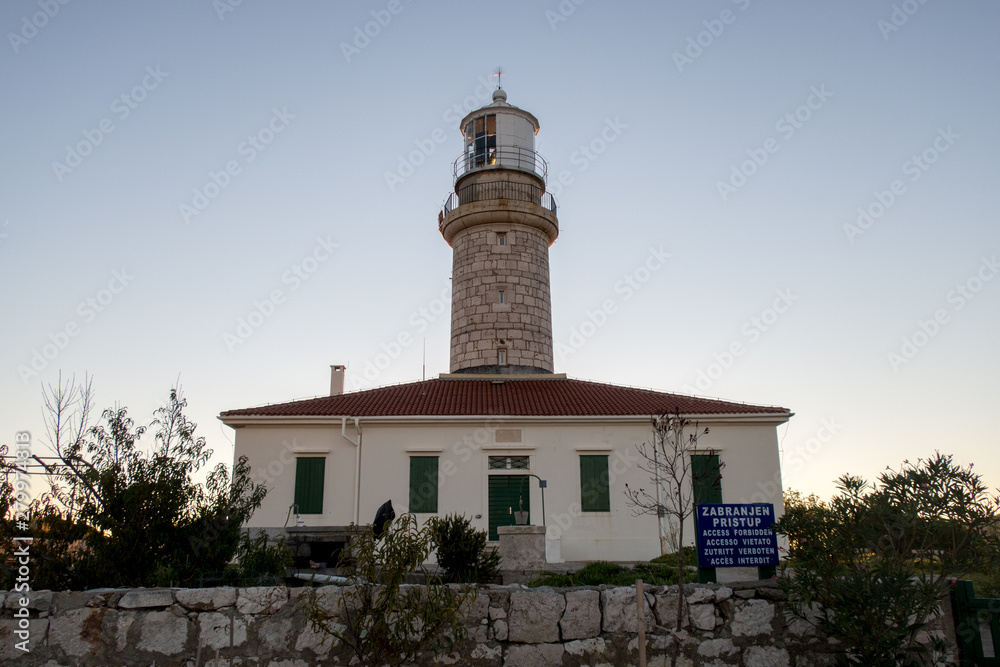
[357, 463]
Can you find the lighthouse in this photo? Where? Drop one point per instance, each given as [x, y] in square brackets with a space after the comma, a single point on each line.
[511, 418]
[500, 222]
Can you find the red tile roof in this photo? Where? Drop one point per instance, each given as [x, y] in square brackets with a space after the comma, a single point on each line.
[509, 397]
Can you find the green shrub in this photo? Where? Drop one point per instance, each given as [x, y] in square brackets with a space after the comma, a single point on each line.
[601, 570]
[599, 573]
[690, 557]
[258, 562]
[553, 580]
[462, 552]
[656, 573]
[985, 584]
[376, 618]
[120, 514]
[871, 566]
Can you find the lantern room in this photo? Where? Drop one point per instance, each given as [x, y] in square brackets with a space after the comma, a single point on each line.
[502, 136]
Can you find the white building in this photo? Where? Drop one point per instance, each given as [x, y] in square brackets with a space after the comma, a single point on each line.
[478, 440]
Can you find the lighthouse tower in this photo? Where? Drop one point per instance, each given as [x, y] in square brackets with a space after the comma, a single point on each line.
[500, 223]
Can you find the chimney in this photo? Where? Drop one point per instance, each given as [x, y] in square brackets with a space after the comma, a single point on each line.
[337, 380]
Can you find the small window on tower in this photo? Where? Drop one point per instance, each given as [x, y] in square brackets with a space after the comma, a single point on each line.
[501, 238]
[502, 297]
[502, 357]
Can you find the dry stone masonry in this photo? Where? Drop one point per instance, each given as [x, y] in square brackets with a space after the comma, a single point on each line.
[738, 625]
[480, 324]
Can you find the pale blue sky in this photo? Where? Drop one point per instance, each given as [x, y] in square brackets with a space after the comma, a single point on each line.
[338, 123]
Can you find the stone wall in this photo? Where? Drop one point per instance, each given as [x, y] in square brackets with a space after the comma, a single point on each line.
[739, 625]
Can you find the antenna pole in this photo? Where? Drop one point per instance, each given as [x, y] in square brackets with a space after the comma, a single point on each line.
[423, 373]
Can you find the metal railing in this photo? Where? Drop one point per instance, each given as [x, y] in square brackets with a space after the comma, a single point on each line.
[549, 202]
[504, 157]
[488, 190]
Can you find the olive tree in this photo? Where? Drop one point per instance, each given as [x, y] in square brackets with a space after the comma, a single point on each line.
[121, 513]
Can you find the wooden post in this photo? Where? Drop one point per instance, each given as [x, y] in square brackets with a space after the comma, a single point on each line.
[640, 603]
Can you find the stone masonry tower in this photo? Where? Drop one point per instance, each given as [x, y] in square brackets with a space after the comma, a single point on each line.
[500, 223]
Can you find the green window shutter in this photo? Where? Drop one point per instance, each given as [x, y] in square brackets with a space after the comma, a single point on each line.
[706, 478]
[309, 474]
[594, 492]
[424, 484]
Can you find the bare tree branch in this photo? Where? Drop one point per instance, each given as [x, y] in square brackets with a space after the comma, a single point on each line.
[667, 460]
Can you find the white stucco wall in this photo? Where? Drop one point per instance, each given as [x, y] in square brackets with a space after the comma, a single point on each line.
[272, 451]
[748, 450]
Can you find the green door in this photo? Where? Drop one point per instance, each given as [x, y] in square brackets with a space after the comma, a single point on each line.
[508, 494]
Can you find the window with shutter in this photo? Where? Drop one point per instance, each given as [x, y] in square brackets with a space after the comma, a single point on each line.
[706, 477]
[594, 491]
[309, 473]
[423, 484]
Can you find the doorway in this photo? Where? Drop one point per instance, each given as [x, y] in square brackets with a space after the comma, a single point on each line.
[507, 494]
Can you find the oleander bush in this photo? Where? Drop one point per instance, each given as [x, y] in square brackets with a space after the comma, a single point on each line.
[871, 566]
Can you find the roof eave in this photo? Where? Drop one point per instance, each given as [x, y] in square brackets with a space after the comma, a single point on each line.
[236, 421]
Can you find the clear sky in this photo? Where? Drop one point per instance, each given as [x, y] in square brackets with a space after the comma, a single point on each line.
[240, 194]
